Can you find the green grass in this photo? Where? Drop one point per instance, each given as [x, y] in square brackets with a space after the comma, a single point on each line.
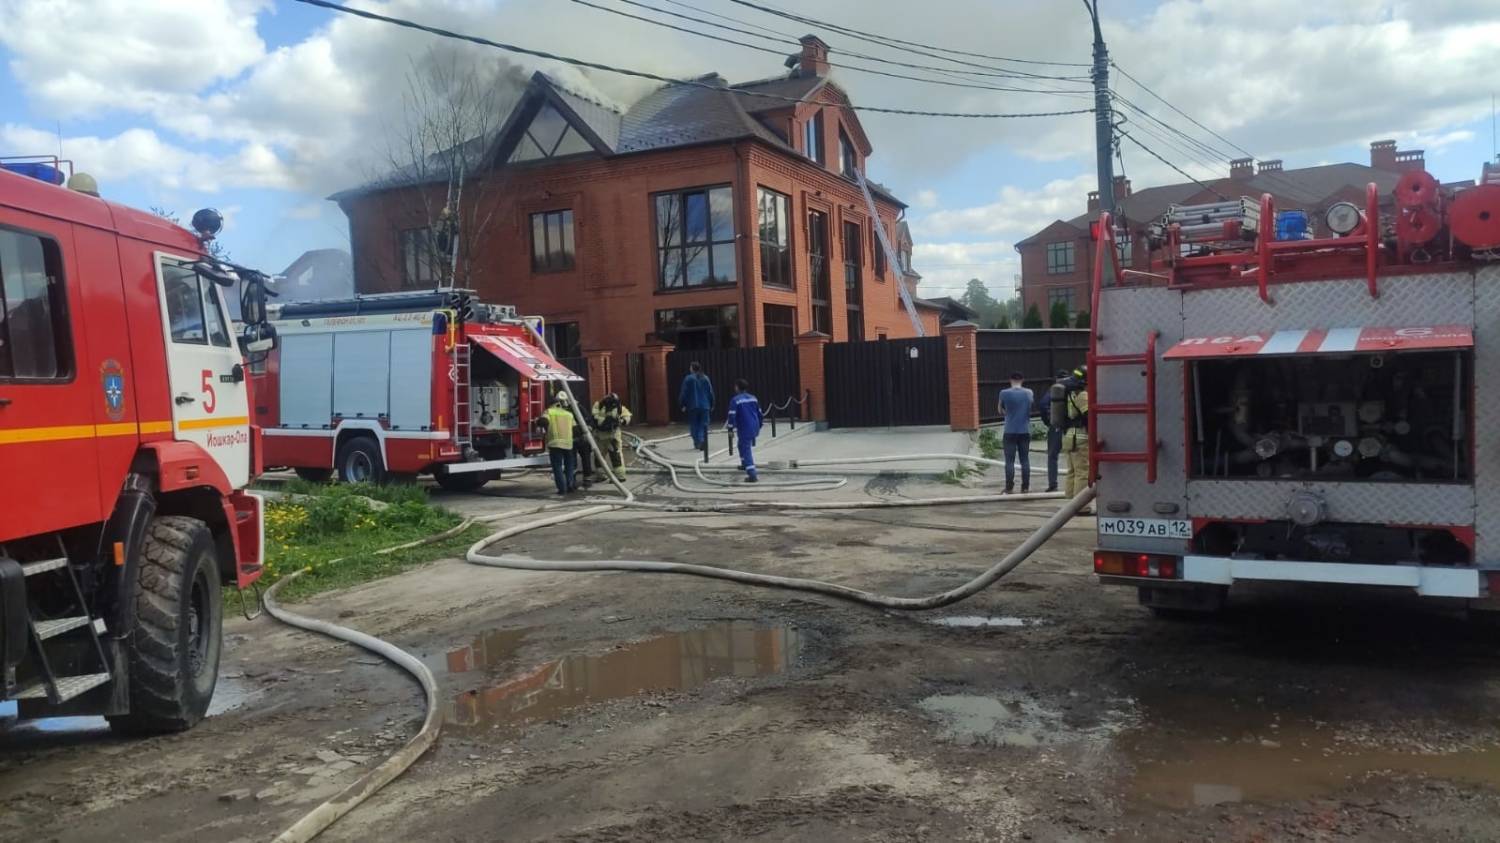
[991, 447]
[334, 532]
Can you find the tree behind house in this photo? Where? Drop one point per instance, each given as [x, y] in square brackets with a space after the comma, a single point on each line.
[1058, 316]
[1033, 318]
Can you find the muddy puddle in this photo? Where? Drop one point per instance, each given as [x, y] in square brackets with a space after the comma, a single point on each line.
[1201, 755]
[977, 621]
[678, 661]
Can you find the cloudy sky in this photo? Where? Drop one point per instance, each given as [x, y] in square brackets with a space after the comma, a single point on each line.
[262, 108]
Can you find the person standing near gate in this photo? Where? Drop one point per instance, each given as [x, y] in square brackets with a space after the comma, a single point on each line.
[696, 397]
[559, 423]
[1076, 438]
[744, 420]
[609, 417]
[1054, 432]
[1015, 406]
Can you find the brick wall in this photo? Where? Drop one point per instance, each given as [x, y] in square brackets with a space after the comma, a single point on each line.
[961, 341]
[810, 374]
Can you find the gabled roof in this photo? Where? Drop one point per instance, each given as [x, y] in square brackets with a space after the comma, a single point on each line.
[681, 115]
[596, 122]
[776, 89]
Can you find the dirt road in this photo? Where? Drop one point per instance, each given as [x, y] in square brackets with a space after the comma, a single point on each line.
[620, 707]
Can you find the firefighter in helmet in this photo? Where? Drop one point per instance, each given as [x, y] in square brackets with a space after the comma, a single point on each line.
[1075, 440]
[610, 415]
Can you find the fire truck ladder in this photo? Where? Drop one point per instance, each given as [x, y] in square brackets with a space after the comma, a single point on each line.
[1105, 234]
[463, 431]
[49, 639]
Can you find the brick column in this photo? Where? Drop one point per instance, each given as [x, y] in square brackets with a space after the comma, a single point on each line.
[810, 372]
[961, 340]
[658, 392]
[601, 376]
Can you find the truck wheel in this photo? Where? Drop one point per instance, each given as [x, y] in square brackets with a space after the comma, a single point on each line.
[174, 648]
[468, 481]
[314, 475]
[359, 461]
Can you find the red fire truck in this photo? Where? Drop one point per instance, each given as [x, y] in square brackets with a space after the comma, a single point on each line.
[404, 384]
[1293, 400]
[125, 446]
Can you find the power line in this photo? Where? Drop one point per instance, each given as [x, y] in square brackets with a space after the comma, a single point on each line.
[1214, 153]
[1185, 115]
[731, 19]
[795, 42]
[641, 74]
[1149, 151]
[888, 40]
[774, 51]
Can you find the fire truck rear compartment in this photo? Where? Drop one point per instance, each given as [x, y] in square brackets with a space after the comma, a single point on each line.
[1397, 417]
[1332, 541]
[495, 395]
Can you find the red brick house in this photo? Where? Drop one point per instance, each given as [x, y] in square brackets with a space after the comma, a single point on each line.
[707, 217]
[1057, 261]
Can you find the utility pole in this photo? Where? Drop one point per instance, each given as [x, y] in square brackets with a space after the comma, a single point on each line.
[1103, 115]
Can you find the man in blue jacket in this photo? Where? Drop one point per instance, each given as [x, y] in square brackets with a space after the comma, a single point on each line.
[744, 420]
[696, 399]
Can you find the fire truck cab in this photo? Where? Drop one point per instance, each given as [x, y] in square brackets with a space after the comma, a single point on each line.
[1296, 401]
[125, 447]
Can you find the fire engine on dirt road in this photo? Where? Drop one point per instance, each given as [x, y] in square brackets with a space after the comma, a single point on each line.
[400, 384]
[125, 448]
[1269, 405]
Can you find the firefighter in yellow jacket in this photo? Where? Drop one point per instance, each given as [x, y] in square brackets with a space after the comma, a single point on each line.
[560, 426]
[1075, 441]
[610, 416]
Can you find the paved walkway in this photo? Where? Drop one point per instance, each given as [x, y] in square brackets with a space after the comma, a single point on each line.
[845, 443]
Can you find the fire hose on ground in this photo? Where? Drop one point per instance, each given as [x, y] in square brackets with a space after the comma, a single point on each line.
[314, 822]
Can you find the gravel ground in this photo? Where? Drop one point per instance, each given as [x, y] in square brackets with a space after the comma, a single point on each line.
[618, 707]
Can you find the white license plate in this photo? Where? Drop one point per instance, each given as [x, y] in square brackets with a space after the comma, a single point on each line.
[1147, 528]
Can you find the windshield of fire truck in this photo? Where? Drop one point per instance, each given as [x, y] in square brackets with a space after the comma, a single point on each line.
[193, 307]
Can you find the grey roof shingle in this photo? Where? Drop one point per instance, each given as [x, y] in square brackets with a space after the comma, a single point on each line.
[789, 87]
[678, 115]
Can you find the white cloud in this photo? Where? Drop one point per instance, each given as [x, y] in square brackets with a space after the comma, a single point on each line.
[1014, 213]
[925, 199]
[141, 153]
[309, 211]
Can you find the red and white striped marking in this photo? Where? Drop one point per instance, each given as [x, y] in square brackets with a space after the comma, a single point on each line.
[1325, 341]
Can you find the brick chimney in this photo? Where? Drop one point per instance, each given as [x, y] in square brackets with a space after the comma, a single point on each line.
[814, 58]
[1122, 188]
[1093, 201]
[1385, 156]
[1272, 166]
[1242, 168]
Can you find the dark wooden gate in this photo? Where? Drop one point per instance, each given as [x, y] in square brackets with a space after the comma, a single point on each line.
[771, 371]
[884, 383]
[635, 383]
[1036, 353]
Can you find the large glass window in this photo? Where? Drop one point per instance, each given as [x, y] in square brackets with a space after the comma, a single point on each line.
[819, 271]
[780, 324]
[34, 337]
[1066, 295]
[1123, 248]
[775, 238]
[564, 340]
[879, 249]
[700, 328]
[1060, 257]
[853, 282]
[812, 138]
[418, 258]
[552, 241]
[695, 238]
[848, 158]
[193, 309]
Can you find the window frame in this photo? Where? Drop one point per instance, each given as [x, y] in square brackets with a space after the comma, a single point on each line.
[1124, 248]
[785, 250]
[405, 238]
[61, 315]
[728, 328]
[1059, 248]
[551, 330]
[820, 284]
[683, 246]
[812, 138]
[226, 323]
[854, 278]
[848, 155]
[1066, 294]
[878, 266]
[569, 237]
[789, 326]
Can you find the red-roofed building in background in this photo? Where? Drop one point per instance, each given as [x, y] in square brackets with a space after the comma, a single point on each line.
[703, 217]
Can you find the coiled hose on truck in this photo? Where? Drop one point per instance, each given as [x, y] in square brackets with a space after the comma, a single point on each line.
[316, 821]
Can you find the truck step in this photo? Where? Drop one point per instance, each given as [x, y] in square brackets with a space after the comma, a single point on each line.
[68, 687]
[30, 568]
[54, 628]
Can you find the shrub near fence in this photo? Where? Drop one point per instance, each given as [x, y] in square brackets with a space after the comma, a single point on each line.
[1037, 354]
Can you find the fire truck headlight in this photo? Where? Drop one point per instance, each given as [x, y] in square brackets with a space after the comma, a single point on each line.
[1342, 218]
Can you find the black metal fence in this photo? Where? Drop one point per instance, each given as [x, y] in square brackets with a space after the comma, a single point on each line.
[1036, 353]
[580, 367]
[771, 371]
[884, 383]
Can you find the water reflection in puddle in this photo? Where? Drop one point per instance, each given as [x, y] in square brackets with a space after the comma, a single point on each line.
[973, 719]
[971, 621]
[229, 694]
[678, 661]
[1204, 755]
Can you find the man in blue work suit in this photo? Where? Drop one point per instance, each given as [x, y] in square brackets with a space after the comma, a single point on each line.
[1015, 406]
[744, 420]
[696, 397]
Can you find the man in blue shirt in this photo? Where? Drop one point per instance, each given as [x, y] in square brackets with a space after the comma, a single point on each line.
[1015, 406]
[744, 420]
[696, 397]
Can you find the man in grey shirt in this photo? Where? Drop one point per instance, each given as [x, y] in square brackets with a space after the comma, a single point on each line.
[1015, 406]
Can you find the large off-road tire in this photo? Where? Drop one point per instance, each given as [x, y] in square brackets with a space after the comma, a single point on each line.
[359, 461]
[314, 475]
[175, 646]
[467, 481]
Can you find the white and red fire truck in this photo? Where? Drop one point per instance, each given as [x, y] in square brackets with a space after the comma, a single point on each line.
[404, 384]
[1270, 405]
[125, 446]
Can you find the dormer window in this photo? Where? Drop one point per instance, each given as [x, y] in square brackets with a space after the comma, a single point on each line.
[848, 159]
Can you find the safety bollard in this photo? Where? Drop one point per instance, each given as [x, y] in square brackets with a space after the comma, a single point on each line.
[705, 448]
[773, 422]
[729, 437]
